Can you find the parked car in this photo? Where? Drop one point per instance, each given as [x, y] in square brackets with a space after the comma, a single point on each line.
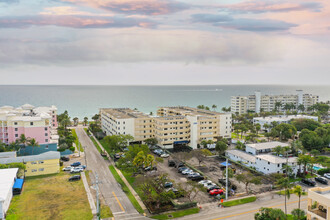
[197, 178]
[193, 174]
[212, 188]
[204, 182]
[182, 169]
[223, 182]
[327, 175]
[208, 185]
[171, 163]
[64, 158]
[150, 168]
[168, 185]
[164, 155]
[187, 171]
[321, 180]
[75, 164]
[68, 168]
[308, 182]
[75, 178]
[158, 152]
[179, 165]
[82, 167]
[76, 170]
[103, 154]
[117, 156]
[216, 192]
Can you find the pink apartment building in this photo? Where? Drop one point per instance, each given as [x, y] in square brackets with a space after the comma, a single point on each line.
[34, 122]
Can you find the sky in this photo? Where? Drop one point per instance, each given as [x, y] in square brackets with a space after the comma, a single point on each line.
[164, 42]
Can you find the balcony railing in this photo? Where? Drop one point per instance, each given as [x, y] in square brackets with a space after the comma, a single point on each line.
[320, 211]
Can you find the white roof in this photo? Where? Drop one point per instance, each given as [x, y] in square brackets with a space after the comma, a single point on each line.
[243, 155]
[284, 118]
[275, 159]
[267, 145]
[6, 181]
[44, 156]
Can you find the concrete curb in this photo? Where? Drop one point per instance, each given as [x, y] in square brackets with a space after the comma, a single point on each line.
[89, 194]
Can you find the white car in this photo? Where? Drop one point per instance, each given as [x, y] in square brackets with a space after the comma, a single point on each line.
[327, 175]
[187, 171]
[202, 182]
[164, 155]
[68, 168]
[209, 184]
[76, 170]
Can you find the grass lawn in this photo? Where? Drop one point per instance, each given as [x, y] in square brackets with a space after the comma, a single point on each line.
[177, 214]
[126, 190]
[77, 143]
[239, 201]
[51, 197]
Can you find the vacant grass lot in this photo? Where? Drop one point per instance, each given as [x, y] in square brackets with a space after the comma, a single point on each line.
[176, 214]
[51, 197]
[77, 143]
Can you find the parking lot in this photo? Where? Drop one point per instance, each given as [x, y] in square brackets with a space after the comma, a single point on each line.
[178, 178]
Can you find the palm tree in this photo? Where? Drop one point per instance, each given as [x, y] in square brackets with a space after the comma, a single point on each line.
[278, 150]
[23, 140]
[285, 183]
[301, 108]
[75, 121]
[214, 107]
[258, 128]
[278, 106]
[65, 123]
[298, 214]
[33, 143]
[305, 159]
[298, 191]
[85, 120]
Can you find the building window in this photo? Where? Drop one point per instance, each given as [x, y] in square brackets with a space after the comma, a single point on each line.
[41, 169]
[268, 162]
[41, 162]
[46, 134]
[46, 128]
[16, 129]
[15, 123]
[16, 135]
[31, 123]
[33, 162]
[46, 140]
[34, 170]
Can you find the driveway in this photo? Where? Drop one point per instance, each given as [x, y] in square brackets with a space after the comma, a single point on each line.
[111, 191]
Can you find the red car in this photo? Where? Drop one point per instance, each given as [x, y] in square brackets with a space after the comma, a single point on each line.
[216, 192]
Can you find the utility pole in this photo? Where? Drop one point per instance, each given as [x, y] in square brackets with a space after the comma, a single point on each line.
[227, 179]
[98, 214]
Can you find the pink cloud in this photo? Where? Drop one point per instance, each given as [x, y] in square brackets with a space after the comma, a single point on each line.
[146, 7]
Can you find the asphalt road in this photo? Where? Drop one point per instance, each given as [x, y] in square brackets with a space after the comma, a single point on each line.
[111, 191]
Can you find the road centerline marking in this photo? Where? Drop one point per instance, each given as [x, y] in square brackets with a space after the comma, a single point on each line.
[122, 208]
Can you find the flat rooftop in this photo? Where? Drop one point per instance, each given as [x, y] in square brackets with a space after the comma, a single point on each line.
[284, 118]
[267, 145]
[324, 191]
[124, 113]
[275, 159]
[6, 180]
[243, 155]
[185, 110]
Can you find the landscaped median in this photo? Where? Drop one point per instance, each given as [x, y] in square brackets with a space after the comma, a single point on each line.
[126, 189]
[239, 201]
[177, 214]
[77, 143]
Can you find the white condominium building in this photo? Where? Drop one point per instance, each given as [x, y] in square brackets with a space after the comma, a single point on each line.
[256, 102]
[116, 121]
[204, 124]
[280, 119]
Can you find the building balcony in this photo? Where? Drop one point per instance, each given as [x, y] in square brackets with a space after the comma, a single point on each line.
[320, 211]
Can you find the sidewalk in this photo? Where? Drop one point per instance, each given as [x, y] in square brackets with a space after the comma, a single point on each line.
[89, 194]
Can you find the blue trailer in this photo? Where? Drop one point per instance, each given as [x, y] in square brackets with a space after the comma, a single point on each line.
[18, 186]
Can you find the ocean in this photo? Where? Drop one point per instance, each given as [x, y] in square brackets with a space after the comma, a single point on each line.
[81, 101]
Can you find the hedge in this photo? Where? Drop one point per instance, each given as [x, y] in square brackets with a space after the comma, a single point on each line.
[323, 171]
[183, 205]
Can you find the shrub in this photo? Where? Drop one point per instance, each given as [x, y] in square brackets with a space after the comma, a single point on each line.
[323, 171]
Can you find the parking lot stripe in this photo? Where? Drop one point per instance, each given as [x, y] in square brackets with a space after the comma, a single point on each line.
[122, 208]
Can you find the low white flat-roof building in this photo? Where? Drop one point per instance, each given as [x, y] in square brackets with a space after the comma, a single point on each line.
[266, 147]
[238, 155]
[280, 119]
[268, 163]
[7, 180]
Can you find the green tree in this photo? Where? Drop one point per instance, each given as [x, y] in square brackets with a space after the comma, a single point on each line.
[284, 183]
[23, 140]
[278, 150]
[298, 191]
[303, 123]
[214, 107]
[117, 142]
[240, 146]
[301, 108]
[33, 143]
[75, 121]
[65, 123]
[247, 178]
[200, 154]
[278, 106]
[298, 214]
[85, 121]
[139, 160]
[96, 117]
[151, 141]
[269, 214]
[258, 127]
[200, 106]
[221, 147]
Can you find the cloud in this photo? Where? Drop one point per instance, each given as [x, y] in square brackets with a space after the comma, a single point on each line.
[68, 10]
[145, 45]
[9, 1]
[73, 21]
[210, 18]
[243, 24]
[144, 7]
[272, 6]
